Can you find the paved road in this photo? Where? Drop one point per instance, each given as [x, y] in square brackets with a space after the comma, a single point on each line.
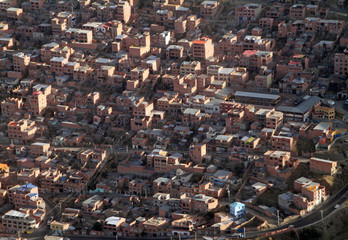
[313, 217]
[52, 209]
[327, 208]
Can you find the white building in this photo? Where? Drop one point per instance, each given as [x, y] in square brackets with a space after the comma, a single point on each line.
[19, 221]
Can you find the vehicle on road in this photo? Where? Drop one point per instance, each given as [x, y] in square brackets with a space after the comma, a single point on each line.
[337, 206]
[331, 103]
[237, 235]
[50, 220]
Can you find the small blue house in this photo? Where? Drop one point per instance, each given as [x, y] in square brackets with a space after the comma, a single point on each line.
[237, 209]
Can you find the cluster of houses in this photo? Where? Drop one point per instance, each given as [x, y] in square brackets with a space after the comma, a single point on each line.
[156, 122]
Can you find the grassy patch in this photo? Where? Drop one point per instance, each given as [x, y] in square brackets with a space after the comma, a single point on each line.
[254, 223]
[301, 171]
[270, 197]
[305, 145]
[245, 194]
[340, 180]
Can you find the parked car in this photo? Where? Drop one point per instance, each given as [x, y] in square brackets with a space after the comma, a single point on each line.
[50, 220]
[237, 235]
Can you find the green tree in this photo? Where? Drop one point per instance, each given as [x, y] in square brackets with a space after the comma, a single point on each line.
[97, 226]
[196, 177]
[49, 112]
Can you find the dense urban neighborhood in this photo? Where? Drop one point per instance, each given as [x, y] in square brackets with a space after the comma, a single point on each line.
[173, 119]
